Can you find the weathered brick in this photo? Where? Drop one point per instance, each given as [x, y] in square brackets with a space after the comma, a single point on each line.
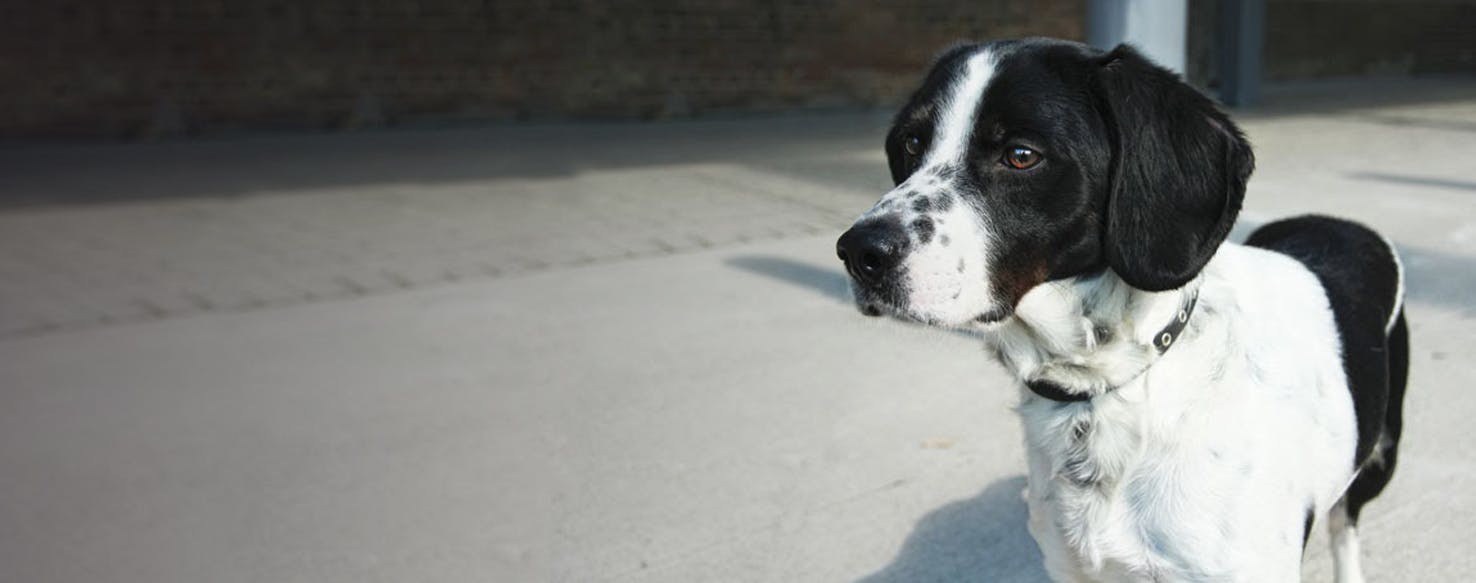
[142, 67]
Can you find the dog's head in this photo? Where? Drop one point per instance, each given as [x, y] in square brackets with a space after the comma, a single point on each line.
[1022, 162]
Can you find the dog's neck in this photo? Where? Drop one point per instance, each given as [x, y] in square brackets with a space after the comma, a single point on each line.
[1088, 334]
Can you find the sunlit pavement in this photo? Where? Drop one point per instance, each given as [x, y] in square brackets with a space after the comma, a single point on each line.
[593, 352]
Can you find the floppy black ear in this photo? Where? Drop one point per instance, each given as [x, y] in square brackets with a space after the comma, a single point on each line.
[1179, 167]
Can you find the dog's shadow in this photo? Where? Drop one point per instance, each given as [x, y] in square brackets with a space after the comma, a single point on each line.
[984, 538]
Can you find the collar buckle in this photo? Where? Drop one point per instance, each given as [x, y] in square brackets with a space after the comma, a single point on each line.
[1161, 342]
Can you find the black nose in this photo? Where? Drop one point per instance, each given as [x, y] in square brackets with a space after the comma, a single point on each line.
[871, 251]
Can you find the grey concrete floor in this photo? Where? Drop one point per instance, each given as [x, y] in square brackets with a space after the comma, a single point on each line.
[593, 352]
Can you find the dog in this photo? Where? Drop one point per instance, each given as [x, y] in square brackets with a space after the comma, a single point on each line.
[1191, 406]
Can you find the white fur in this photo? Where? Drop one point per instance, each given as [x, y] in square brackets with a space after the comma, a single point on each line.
[1347, 568]
[1202, 465]
[942, 278]
[1399, 291]
[951, 143]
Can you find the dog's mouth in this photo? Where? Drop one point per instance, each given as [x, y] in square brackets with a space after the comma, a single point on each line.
[876, 302]
[994, 316]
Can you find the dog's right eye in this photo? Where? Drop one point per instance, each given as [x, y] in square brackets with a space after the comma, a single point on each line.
[1021, 158]
[912, 145]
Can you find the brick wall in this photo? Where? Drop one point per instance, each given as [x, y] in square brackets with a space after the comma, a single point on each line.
[136, 67]
[129, 67]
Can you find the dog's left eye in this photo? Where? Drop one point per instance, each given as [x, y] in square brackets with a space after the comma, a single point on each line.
[1020, 157]
[912, 145]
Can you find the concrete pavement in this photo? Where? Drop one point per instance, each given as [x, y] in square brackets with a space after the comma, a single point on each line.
[592, 353]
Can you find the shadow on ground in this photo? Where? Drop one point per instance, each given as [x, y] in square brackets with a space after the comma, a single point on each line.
[817, 148]
[984, 538]
[830, 282]
[1408, 180]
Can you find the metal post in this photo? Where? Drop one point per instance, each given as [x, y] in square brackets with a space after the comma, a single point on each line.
[1158, 28]
[1242, 35]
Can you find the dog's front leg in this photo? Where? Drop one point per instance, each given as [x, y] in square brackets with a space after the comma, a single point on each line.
[1060, 563]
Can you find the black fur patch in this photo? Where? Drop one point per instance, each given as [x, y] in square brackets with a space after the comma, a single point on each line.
[1307, 528]
[1178, 173]
[1360, 277]
[924, 229]
[1376, 471]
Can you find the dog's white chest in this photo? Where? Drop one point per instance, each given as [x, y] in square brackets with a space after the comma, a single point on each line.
[1204, 468]
[1121, 504]
[1111, 519]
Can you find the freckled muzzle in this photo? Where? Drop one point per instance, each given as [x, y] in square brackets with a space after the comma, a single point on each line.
[920, 256]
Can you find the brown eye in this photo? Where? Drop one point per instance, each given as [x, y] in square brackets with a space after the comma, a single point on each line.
[1020, 157]
[912, 145]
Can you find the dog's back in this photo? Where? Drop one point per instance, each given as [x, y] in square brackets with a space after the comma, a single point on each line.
[1364, 281]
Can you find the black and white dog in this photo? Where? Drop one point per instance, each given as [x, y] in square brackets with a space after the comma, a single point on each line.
[1191, 407]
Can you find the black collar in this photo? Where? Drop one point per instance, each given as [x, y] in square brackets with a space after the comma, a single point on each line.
[1161, 342]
